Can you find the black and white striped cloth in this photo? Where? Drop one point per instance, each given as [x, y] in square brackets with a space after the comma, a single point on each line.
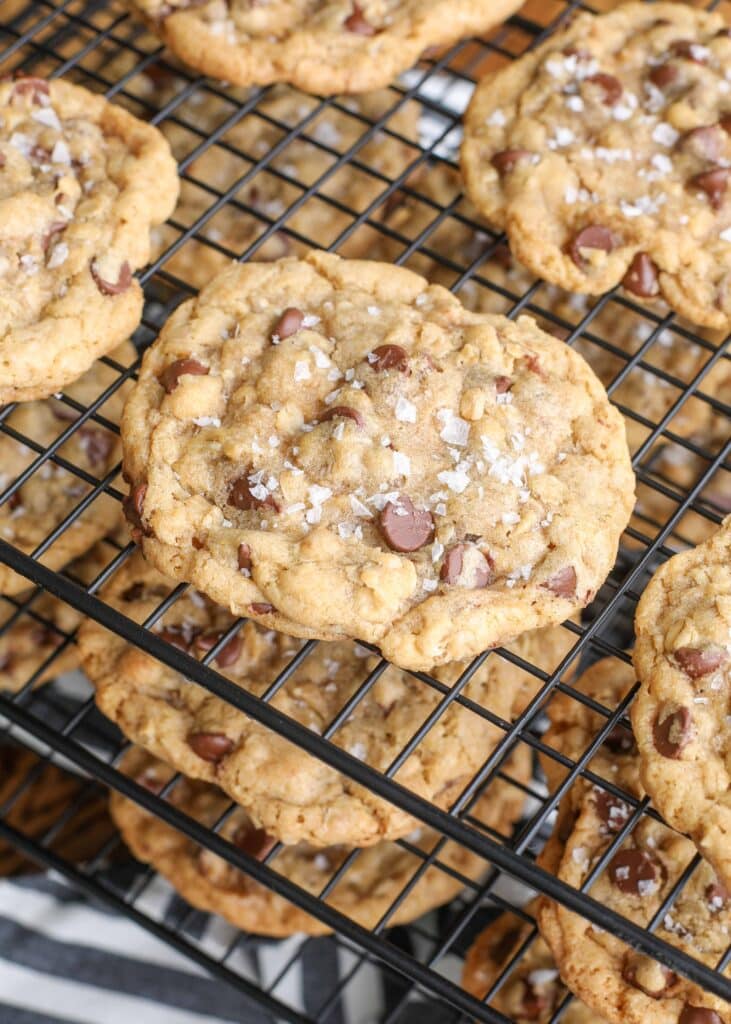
[66, 960]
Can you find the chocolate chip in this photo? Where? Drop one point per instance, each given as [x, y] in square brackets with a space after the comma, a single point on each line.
[124, 280]
[595, 236]
[132, 506]
[717, 895]
[647, 975]
[149, 780]
[389, 357]
[357, 22]
[229, 653]
[240, 496]
[641, 277]
[405, 527]
[244, 556]
[610, 86]
[477, 570]
[288, 324]
[713, 183]
[704, 142]
[725, 123]
[663, 75]
[620, 741]
[346, 411]
[261, 608]
[133, 593]
[635, 872]
[506, 159]
[171, 375]
[57, 228]
[672, 731]
[698, 1015]
[254, 841]
[36, 88]
[502, 385]
[562, 583]
[96, 444]
[700, 661]
[614, 813]
[198, 543]
[689, 50]
[536, 1002]
[174, 635]
[210, 746]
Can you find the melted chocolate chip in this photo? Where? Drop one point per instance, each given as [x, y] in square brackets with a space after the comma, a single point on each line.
[133, 593]
[229, 653]
[713, 183]
[610, 86]
[124, 280]
[672, 732]
[261, 608]
[132, 506]
[613, 812]
[254, 841]
[198, 543]
[641, 277]
[654, 980]
[389, 357]
[174, 635]
[405, 527]
[502, 384]
[536, 1002]
[479, 571]
[96, 444]
[288, 324]
[506, 159]
[700, 661]
[240, 496]
[704, 142]
[171, 375]
[210, 746]
[620, 741]
[244, 556]
[663, 75]
[635, 872]
[36, 88]
[347, 411]
[595, 236]
[689, 50]
[698, 1015]
[562, 583]
[725, 123]
[57, 228]
[358, 23]
[717, 895]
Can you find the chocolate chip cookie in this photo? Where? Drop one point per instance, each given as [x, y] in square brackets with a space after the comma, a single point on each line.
[337, 449]
[615, 981]
[364, 893]
[321, 46]
[285, 790]
[533, 990]
[52, 492]
[681, 715]
[82, 183]
[604, 155]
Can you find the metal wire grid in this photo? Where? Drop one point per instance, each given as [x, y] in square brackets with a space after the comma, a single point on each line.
[81, 39]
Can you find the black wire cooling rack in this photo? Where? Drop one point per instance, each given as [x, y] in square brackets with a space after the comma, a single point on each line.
[306, 173]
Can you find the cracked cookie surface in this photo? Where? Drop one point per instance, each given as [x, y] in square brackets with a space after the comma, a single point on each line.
[337, 449]
[285, 790]
[81, 183]
[364, 893]
[604, 155]
[322, 46]
[681, 715]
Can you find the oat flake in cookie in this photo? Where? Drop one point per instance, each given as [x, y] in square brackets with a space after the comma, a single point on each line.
[605, 155]
[81, 183]
[321, 46]
[338, 449]
[681, 715]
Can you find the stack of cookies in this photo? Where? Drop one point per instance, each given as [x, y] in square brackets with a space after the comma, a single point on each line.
[345, 463]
